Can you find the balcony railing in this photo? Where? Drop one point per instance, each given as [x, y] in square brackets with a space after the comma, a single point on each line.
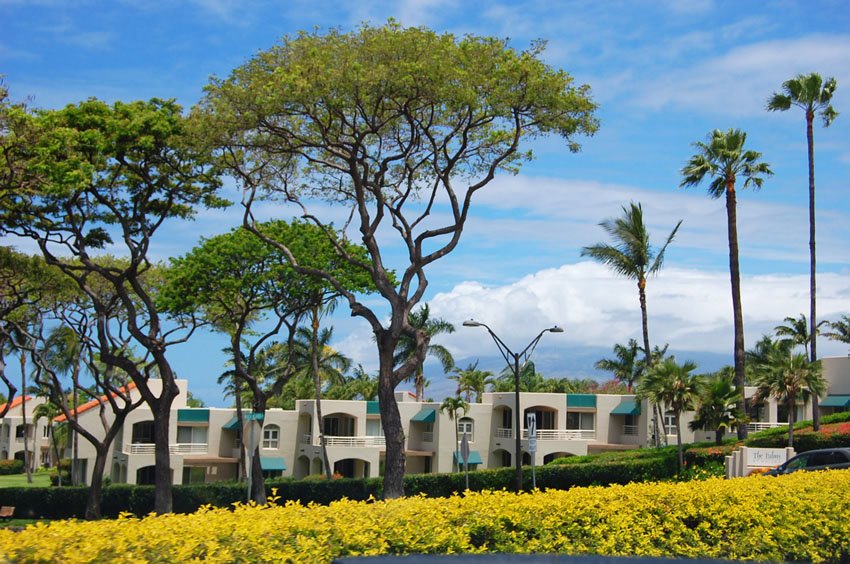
[177, 448]
[563, 434]
[761, 426]
[427, 436]
[504, 433]
[364, 441]
[630, 430]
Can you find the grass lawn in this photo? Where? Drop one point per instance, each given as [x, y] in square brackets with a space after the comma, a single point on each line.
[39, 480]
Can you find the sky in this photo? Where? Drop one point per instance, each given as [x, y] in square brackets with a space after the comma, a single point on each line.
[664, 74]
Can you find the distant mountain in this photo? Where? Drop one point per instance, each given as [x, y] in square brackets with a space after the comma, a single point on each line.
[575, 362]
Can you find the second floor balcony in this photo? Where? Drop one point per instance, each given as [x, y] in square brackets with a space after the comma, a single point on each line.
[175, 448]
[551, 434]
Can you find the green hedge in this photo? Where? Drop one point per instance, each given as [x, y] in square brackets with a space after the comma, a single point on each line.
[11, 467]
[804, 437]
[67, 502]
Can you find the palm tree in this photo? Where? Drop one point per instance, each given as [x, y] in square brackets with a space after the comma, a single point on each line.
[63, 351]
[453, 406]
[407, 346]
[723, 158]
[814, 95]
[786, 376]
[840, 330]
[796, 330]
[530, 380]
[671, 384]
[624, 366]
[471, 380]
[716, 409]
[631, 255]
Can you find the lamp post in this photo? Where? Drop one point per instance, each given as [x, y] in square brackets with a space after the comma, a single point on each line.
[512, 359]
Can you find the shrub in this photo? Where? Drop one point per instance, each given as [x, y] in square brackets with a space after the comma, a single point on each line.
[799, 517]
[11, 467]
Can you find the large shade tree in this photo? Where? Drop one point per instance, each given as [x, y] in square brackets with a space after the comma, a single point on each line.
[247, 289]
[813, 95]
[723, 159]
[392, 131]
[94, 175]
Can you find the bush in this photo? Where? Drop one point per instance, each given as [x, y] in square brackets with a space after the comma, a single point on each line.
[834, 432]
[799, 517]
[11, 467]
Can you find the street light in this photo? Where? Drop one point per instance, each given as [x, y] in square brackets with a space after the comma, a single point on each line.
[512, 359]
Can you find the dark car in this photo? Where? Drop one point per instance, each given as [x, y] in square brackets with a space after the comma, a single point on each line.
[821, 459]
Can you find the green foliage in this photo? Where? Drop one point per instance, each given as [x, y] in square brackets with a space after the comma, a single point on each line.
[11, 467]
[834, 432]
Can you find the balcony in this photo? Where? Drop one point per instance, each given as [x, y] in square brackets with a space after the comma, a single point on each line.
[363, 441]
[551, 434]
[177, 448]
[630, 430]
[756, 426]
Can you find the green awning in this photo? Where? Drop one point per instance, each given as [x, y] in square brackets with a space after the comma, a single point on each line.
[627, 407]
[233, 424]
[273, 463]
[474, 458]
[425, 415]
[190, 415]
[373, 408]
[581, 400]
[836, 401]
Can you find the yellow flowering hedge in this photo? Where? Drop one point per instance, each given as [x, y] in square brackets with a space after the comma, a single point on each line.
[801, 517]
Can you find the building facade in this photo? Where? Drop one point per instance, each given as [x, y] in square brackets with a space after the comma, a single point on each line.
[205, 443]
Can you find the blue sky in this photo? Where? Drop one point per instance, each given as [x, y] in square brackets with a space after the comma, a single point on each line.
[664, 74]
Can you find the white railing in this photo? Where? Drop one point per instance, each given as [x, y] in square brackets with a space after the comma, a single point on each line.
[563, 435]
[307, 439]
[427, 436]
[630, 430]
[177, 448]
[504, 433]
[761, 426]
[366, 441]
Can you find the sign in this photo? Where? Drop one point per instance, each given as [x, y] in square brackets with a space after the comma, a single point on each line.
[532, 445]
[766, 457]
[464, 449]
[531, 425]
[251, 432]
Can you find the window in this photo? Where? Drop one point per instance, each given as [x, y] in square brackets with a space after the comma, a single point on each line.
[192, 435]
[45, 432]
[669, 423]
[271, 434]
[194, 474]
[466, 425]
[580, 420]
[339, 426]
[143, 432]
[545, 419]
[20, 430]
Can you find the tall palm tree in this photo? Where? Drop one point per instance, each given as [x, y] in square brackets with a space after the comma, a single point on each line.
[840, 330]
[671, 384]
[786, 377]
[471, 381]
[421, 320]
[814, 95]
[452, 407]
[716, 410]
[724, 159]
[631, 255]
[624, 365]
[63, 351]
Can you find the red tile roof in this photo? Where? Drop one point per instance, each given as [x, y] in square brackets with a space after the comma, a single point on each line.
[15, 403]
[95, 402]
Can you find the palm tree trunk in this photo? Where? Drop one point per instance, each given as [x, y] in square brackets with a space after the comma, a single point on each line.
[75, 438]
[813, 332]
[648, 353]
[317, 382]
[737, 310]
[680, 458]
[27, 459]
[792, 416]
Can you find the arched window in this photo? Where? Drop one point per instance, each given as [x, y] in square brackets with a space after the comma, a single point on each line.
[271, 436]
[466, 425]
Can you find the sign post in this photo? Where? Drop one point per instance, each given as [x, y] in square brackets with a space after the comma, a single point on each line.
[464, 453]
[251, 432]
[531, 426]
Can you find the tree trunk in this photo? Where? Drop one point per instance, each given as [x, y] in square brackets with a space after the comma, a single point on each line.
[27, 459]
[391, 423]
[648, 360]
[737, 310]
[419, 383]
[718, 435]
[240, 422]
[96, 487]
[813, 332]
[680, 457]
[792, 416]
[75, 439]
[317, 382]
[258, 486]
[162, 456]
